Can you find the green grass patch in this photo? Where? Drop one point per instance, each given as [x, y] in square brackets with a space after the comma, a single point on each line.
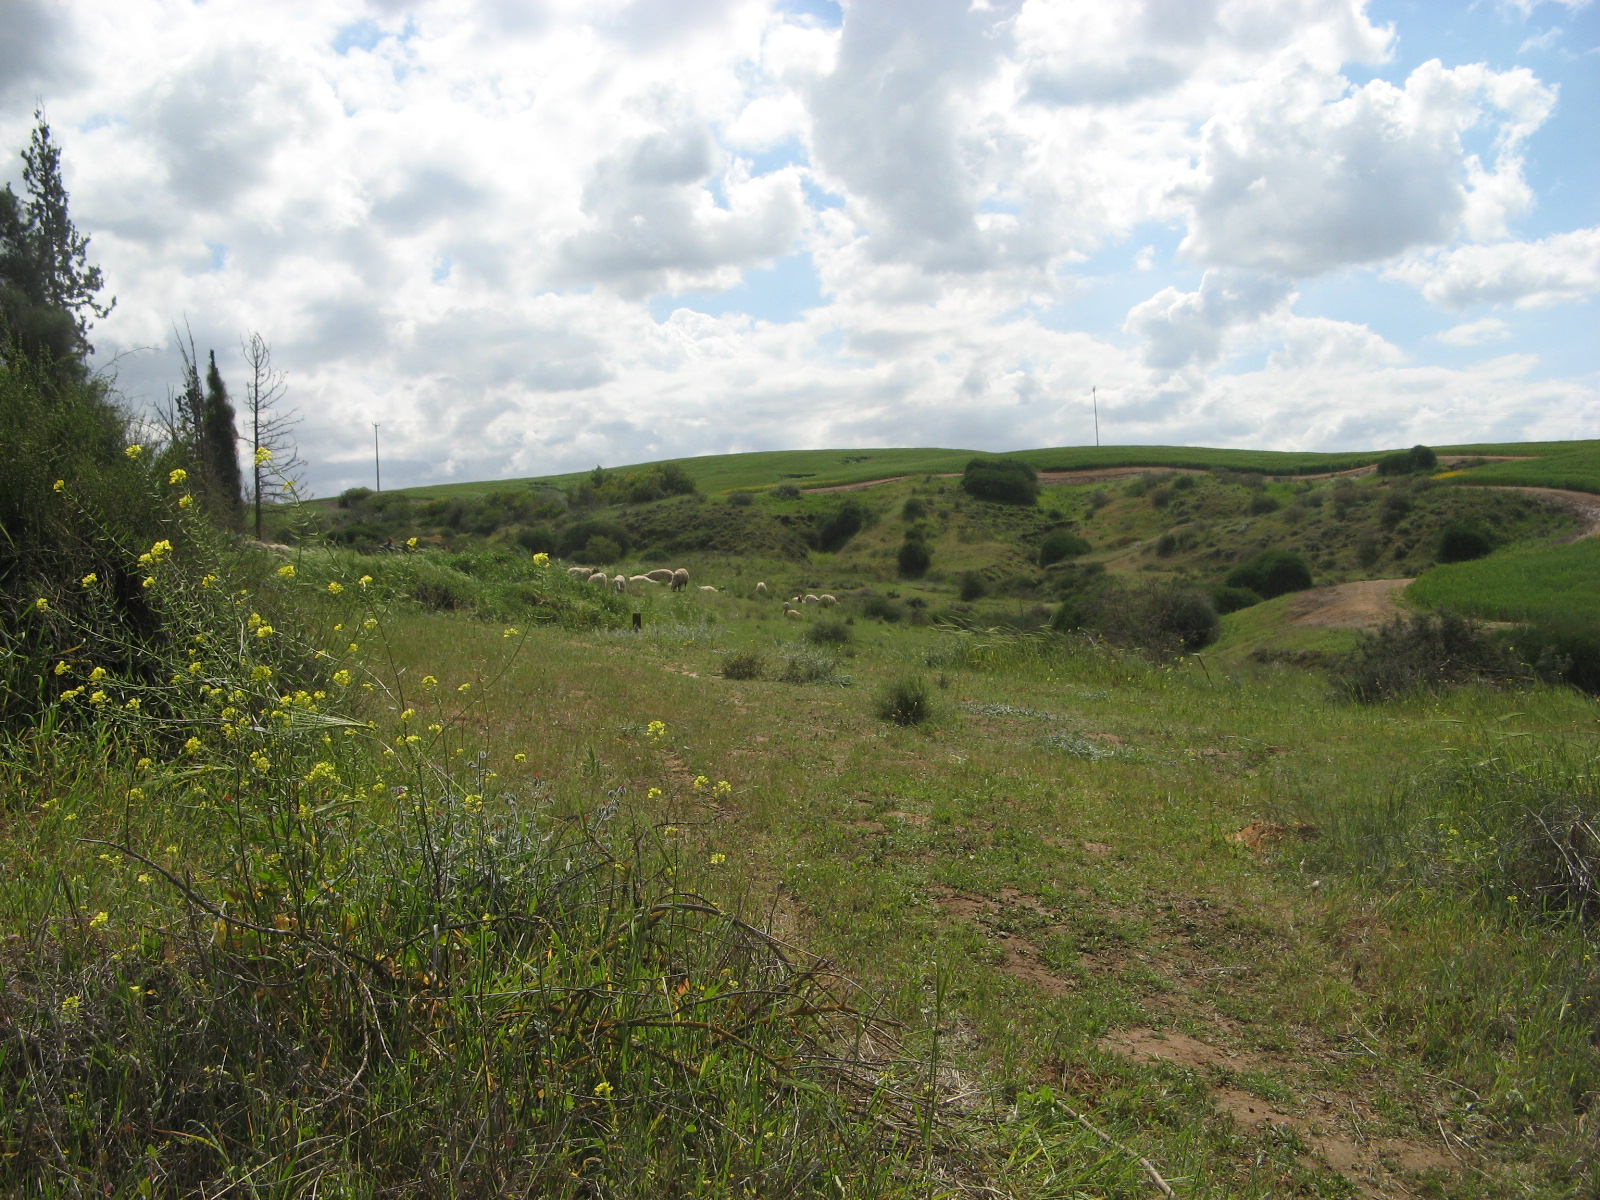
[1573, 466]
[1552, 582]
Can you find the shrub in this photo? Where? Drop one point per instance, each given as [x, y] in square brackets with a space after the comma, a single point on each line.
[1061, 544]
[353, 497]
[1231, 599]
[744, 664]
[1262, 504]
[786, 491]
[1161, 497]
[1406, 462]
[914, 558]
[1563, 649]
[914, 509]
[602, 549]
[844, 524]
[1462, 542]
[832, 632]
[881, 608]
[1271, 573]
[1423, 652]
[973, 586]
[575, 537]
[537, 539]
[1393, 509]
[905, 701]
[1001, 481]
[741, 499]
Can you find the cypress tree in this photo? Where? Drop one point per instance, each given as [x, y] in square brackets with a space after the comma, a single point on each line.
[219, 448]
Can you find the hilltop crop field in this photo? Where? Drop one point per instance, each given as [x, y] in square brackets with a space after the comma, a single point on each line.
[1003, 867]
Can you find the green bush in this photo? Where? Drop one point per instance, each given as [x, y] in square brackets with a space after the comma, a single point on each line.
[914, 558]
[1231, 599]
[786, 491]
[1407, 462]
[905, 701]
[1461, 541]
[829, 632]
[1001, 481]
[844, 524]
[1061, 544]
[1424, 652]
[537, 539]
[1271, 573]
[602, 549]
[914, 509]
[973, 586]
[1262, 504]
[575, 537]
[354, 497]
[880, 608]
[1563, 648]
[741, 499]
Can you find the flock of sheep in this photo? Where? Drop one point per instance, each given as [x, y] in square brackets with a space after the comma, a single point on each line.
[678, 581]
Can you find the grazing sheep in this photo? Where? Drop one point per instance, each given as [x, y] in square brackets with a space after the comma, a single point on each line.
[794, 612]
[761, 589]
[600, 577]
[640, 579]
[580, 572]
[620, 583]
[680, 579]
[660, 575]
[810, 599]
[706, 587]
[827, 599]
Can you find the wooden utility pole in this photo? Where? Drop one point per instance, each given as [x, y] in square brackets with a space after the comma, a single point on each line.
[377, 468]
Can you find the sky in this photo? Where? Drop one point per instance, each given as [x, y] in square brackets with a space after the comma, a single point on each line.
[533, 236]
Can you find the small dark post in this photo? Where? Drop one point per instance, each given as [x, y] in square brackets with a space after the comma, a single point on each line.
[638, 620]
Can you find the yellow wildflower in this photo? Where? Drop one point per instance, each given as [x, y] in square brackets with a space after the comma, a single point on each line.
[178, 476]
[464, 687]
[335, 588]
[286, 571]
[60, 485]
[147, 582]
[408, 714]
[602, 1088]
[135, 793]
[364, 580]
[62, 668]
[717, 859]
[261, 673]
[700, 781]
[519, 757]
[512, 632]
[161, 549]
[263, 456]
[411, 543]
[185, 501]
[134, 451]
[265, 631]
[90, 579]
[193, 745]
[428, 681]
[342, 678]
[98, 697]
[41, 605]
[99, 919]
[541, 559]
[70, 1007]
[653, 794]
[207, 581]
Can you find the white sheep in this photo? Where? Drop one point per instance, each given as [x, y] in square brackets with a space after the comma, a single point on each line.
[827, 599]
[706, 587]
[660, 575]
[599, 577]
[580, 572]
[810, 599]
[761, 589]
[680, 579]
[640, 579]
[794, 612]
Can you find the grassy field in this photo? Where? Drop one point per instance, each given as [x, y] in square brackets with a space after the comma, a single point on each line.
[441, 873]
[719, 474]
[1574, 466]
[1548, 582]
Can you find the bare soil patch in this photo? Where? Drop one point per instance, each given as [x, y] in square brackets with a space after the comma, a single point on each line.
[1328, 1125]
[1365, 604]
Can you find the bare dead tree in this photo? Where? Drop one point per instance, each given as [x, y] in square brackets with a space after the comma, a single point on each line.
[274, 456]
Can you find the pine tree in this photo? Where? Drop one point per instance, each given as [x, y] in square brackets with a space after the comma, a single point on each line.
[47, 287]
[219, 448]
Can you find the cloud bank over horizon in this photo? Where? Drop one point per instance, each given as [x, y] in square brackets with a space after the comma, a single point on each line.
[526, 238]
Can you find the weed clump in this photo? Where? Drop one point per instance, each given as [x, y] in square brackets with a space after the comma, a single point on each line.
[744, 664]
[805, 664]
[905, 701]
[1061, 544]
